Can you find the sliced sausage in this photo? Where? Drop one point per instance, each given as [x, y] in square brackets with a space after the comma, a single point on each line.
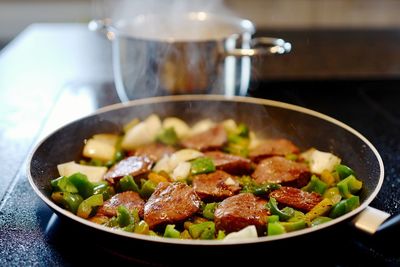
[129, 166]
[283, 171]
[211, 139]
[296, 198]
[230, 163]
[239, 211]
[131, 200]
[215, 186]
[155, 151]
[170, 203]
[273, 147]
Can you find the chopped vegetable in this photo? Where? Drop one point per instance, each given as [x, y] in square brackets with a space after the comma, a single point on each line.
[141, 228]
[93, 173]
[64, 185]
[86, 206]
[294, 226]
[283, 215]
[250, 186]
[143, 133]
[320, 209]
[315, 185]
[124, 216]
[320, 161]
[147, 189]
[180, 127]
[68, 200]
[167, 136]
[205, 230]
[343, 171]
[247, 232]
[98, 149]
[81, 182]
[128, 184]
[209, 209]
[345, 206]
[171, 232]
[333, 194]
[274, 227]
[349, 186]
[103, 188]
[202, 165]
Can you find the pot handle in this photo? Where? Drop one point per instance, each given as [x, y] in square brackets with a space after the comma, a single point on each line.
[261, 46]
[102, 26]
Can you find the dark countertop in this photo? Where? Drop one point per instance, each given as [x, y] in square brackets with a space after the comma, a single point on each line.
[52, 74]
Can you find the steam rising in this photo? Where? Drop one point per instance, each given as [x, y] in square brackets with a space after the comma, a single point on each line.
[174, 20]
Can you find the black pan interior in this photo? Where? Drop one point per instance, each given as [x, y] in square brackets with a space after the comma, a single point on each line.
[267, 120]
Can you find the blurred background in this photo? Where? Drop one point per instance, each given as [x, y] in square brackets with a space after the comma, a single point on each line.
[16, 15]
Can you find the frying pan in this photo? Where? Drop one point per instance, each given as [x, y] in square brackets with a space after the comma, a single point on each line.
[267, 118]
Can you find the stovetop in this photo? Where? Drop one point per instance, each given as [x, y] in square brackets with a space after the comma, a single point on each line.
[31, 234]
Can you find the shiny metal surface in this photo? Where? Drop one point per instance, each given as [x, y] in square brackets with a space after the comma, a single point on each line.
[204, 53]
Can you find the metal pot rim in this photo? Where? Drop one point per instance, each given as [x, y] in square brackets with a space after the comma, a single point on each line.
[202, 20]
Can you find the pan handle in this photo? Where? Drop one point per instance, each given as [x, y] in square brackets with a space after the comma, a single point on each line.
[261, 46]
[370, 220]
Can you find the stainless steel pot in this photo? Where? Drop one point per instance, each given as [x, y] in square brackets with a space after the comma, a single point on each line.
[155, 54]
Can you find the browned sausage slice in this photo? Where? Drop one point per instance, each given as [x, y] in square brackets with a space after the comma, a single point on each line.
[131, 200]
[155, 151]
[211, 139]
[273, 147]
[230, 163]
[283, 171]
[296, 198]
[129, 166]
[170, 203]
[215, 186]
[239, 211]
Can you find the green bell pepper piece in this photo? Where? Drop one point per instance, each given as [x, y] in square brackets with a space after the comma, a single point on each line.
[344, 206]
[209, 209]
[205, 230]
[237, 145]
[81, 182]
[343, 171]
[273, 218]
[315, 185]
[168, 136]
[63, 184]
[124, 217]
[69, 201]
[202, 165]
[104, 189]
[220, 235]
[284, 214]
[274, 227]
[86, 206]
[250, 186]
[147, 189]
[242, 130]
[171, 232]
[320, 220]
[349, 186]
[128, 184]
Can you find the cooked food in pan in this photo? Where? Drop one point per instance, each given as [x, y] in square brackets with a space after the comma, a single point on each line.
[210, 180]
